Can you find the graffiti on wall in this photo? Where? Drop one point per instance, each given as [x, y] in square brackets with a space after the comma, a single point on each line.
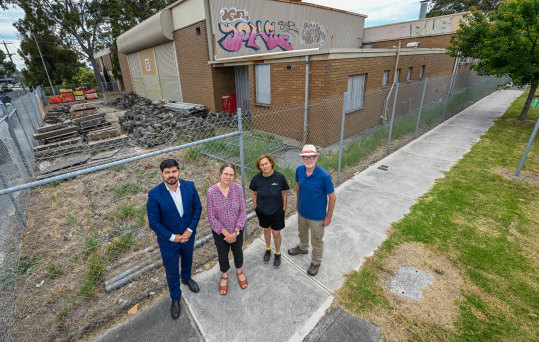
[288, 27]
[239, 31]
[313, 34]
[230, 15]
[435, 26]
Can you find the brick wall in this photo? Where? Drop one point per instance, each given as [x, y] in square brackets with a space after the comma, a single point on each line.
[330, 78]
[126, 74]
[196, 74]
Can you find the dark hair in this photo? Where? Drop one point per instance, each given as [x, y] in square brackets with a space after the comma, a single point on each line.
[268, 157]
[168, 163]
[225, 165]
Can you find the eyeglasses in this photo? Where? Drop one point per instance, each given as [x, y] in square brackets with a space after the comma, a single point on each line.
[308, 157]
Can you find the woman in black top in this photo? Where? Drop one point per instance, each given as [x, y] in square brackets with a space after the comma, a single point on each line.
[269, 199]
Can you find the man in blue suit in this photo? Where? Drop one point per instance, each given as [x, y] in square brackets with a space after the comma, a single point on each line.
[173, 213]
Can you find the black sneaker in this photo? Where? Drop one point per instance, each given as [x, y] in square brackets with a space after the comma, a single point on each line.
[267, 255]
[277, 260]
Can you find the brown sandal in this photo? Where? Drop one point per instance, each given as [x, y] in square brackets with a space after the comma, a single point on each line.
[242, 282]
[223, 288]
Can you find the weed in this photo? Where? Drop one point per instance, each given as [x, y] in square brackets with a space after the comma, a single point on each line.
[118, 168]
[96, 269]
[128, 211]
[125, 189]
[54, 271]
[94, 152]
[62, 313]
[92, 243]
[70, 220]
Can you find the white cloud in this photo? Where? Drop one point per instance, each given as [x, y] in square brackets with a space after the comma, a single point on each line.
[9, 34]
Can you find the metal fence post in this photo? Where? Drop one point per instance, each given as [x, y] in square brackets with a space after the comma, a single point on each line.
[13, 200]
[242, 161]
[421, 106]
[528, 147]
[344, 102]
[25, 162]
[392, 118]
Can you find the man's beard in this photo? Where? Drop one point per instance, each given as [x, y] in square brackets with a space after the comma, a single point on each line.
[171, 181]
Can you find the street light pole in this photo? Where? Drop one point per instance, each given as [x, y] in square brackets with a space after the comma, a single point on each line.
[44, 66]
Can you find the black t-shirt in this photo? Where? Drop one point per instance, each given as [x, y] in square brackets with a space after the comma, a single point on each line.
[269, 198]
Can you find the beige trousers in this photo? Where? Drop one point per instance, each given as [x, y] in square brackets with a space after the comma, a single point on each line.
[317, 237]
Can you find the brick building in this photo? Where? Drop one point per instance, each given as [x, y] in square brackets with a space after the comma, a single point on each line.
[198, 51]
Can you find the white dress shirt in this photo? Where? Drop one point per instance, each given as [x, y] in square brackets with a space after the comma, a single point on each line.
[177, 198]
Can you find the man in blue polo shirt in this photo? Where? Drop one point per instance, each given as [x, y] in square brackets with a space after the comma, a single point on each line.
[313, 187]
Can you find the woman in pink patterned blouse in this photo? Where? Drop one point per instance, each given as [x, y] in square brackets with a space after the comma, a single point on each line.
[226, 213]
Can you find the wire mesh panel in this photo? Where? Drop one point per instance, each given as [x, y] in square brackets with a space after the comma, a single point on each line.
[76, 252]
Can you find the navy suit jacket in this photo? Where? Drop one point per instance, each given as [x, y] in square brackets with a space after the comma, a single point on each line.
[163, 215]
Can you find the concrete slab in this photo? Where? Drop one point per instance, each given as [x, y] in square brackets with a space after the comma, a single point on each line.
[443, 151]
[428, 166]
[400, 182]
[458, 130]
[155, 325]
[434, 138]
[275, 305]
[346, 245]
[342, 327]
[370, 207]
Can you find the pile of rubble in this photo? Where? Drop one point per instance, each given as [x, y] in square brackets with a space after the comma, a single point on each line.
[75, 128]
[156, 123]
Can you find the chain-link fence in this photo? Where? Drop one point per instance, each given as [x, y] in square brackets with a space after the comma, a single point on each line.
[76, 251]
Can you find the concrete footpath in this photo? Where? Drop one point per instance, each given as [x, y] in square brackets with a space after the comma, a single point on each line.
[286, 304]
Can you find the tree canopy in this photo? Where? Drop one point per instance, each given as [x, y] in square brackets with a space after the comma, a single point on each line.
[6, 67]
[504, 42]
[442, 7]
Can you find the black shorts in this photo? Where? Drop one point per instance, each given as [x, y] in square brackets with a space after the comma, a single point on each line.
[275, 221]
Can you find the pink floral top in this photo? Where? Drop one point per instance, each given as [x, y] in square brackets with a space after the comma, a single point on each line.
[226, 212]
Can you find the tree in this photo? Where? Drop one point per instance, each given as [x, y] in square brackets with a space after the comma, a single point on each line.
[62, 61]
[6, 67]
[81, 22]
[83, 76]
[505, 43]
[442, 7]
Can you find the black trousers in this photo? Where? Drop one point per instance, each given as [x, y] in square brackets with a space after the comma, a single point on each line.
[224, 247]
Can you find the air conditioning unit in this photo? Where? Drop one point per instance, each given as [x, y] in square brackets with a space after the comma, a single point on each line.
[412, 45]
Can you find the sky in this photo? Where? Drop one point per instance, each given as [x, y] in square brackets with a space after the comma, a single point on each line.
[379, 12]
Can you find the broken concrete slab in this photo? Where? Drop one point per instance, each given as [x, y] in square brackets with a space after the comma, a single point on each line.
[66, 163]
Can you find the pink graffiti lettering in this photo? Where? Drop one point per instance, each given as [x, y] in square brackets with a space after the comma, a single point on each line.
[235, 36]
[229, 15]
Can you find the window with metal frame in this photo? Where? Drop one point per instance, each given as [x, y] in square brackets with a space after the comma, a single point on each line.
[409, 75]
[356, 90]
[263, 81]
[385, 78]
[421, 72]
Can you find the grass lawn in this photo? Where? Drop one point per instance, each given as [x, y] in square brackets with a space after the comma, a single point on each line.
[477, 232]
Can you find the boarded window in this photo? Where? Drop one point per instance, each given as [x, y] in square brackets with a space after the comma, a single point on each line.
[263, 90]
[385, 78]
[356, 89]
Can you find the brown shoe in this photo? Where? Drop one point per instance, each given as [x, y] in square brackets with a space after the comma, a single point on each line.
[296, 250]
[313, 269]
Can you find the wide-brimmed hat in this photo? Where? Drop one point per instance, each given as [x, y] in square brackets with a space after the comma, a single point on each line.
[308, 150]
